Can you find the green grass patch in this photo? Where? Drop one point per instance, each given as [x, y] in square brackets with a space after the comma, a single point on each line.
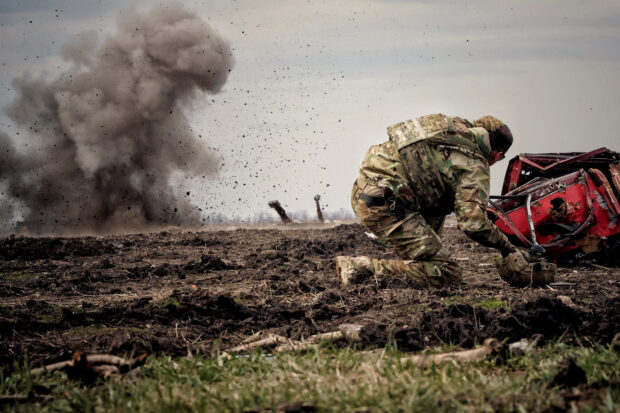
[51, 314]
[165, 302]
[457, 299]
[493, 304]
[335, 380]
[169, 301]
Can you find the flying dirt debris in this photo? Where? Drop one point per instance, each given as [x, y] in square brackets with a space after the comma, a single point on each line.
[319, 213]
[567, 203]
[105, 138]
[281, 212]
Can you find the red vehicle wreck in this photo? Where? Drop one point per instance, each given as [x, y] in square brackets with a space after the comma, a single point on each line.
[566, 203]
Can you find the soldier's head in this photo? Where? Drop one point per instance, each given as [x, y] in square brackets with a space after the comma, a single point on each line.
[500, 137]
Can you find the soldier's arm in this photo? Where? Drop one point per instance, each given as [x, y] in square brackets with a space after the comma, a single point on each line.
[471, 186]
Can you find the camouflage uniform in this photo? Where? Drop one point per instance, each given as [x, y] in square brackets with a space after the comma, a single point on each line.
[430, 167]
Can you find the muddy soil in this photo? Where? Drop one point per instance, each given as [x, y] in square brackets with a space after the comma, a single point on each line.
[170, 292]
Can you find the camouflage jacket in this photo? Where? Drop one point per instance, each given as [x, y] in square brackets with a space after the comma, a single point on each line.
[437, 165]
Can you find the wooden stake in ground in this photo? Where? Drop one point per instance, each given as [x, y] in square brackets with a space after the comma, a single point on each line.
[281, 212]
[319, 213]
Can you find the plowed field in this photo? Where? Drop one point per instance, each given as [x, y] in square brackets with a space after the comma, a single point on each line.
[171, 291]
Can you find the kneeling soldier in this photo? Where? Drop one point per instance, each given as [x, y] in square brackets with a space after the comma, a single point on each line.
[430, 167]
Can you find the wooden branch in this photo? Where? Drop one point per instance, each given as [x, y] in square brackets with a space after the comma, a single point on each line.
[345, 331]
[490, 346]
[270, 340]
[105, 370]
[566, 300]
[51, 367]
[254, 337]
[102, 364]
[107, 359]
[351, 332]
[310, 341]
[331, 336]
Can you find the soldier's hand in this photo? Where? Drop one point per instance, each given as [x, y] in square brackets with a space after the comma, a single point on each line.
[537, 252]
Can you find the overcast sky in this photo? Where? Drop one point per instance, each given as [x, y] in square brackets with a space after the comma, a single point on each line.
[316, 83]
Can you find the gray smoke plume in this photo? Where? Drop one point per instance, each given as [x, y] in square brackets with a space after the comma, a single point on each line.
[106, 137]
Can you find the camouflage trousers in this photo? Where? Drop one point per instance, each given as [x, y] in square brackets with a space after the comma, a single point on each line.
[412, 236]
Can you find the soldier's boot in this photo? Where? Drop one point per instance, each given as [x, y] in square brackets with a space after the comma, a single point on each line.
[418, 274]
[353, 269]
[435, 273]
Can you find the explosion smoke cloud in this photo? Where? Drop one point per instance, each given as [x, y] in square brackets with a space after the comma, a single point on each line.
[106, 136]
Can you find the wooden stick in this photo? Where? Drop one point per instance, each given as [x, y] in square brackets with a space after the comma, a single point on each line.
[566, 300]
[351, 332]
[253, 337]
[489, 347]
[345, 331]
[94, 359]
[270, 340]
[310, 341]
[52, 367]
[298, 345]
[105, 370]
[107, 359]
[330, 336]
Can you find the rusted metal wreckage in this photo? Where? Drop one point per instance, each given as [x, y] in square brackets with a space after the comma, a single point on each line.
[565, 205]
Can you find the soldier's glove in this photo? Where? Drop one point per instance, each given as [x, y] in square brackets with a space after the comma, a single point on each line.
[537, 253]
[521, 269]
